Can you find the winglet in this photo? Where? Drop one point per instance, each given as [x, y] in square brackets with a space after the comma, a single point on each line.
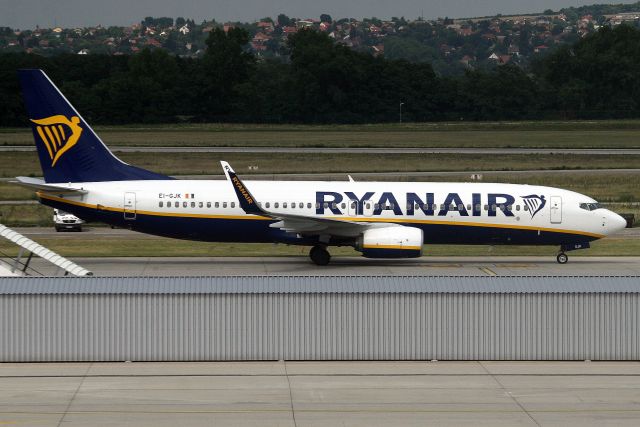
[248, 203]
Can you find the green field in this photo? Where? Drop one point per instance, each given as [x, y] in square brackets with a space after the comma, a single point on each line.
[26, 163]
[581, 134]
[87, 246]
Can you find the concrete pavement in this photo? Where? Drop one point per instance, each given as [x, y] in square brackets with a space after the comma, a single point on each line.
[321, 393]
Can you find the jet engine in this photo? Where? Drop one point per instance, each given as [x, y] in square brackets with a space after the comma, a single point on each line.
[391, 242]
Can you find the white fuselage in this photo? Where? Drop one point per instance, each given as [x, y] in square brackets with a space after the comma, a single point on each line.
[169, 207]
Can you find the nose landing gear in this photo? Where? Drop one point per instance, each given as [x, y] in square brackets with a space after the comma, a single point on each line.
[562, 258]
[319, 255]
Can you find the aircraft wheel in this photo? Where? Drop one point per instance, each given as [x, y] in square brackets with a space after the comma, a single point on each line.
[319, 255]
[562, 258]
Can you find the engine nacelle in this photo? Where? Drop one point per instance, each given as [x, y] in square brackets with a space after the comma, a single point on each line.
[391, 242]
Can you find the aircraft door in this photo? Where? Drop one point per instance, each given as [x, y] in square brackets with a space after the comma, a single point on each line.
[130, 206]
[367, 208]
[352, 208]
[556, 209]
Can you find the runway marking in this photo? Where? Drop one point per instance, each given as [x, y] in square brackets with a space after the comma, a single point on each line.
[329, 410]
[488, 271]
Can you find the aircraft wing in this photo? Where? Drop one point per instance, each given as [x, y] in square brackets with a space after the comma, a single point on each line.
[300, 224]
[40, 185]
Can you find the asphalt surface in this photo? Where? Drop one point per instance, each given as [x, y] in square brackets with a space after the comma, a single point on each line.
[358, 150]
[349, 266]
[300, 265]
[321, 394]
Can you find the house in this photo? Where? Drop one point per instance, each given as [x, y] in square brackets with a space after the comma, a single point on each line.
[466, 60]
[289, 30]
[184, 30]
[540, 49]
[153, 42]
[83, 52]
[266, 26]
[304, 23]
[514, 50]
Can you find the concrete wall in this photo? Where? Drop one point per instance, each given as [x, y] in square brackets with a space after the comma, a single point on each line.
[319, 326]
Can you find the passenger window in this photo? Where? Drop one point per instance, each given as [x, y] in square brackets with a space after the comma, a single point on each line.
[160, 204]
[486, 207]
[308, 205]
[326, 205]
[493, 208]
[368, 205]
[284, 205]
[301, 205]
[460, 207]
[293, 205]
[344, 205]
[193, 204]
[333, 205]
[276, 205]
[317, 205]
[199, 204]
[208, 204]
[267, 204]
[526, 208]
[478, 207]
[217, 204]
[233, 204]
[224, 204]
[468, 207]
[184, 204]
[509, 208]
[517, 207]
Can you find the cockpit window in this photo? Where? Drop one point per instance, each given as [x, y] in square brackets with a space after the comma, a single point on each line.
[590, 206]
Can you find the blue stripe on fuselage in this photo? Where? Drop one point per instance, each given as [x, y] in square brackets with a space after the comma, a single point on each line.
[258, 231]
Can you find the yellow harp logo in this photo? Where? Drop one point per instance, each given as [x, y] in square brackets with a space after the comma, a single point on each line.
[55, 137]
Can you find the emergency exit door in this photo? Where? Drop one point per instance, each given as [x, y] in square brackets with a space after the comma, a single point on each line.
[130, 206]
[556, 209]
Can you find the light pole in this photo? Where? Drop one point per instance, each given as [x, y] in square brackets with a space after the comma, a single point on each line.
[401, 104]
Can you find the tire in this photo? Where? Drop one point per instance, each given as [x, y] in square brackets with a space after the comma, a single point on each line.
[562, 258]
[319, 255]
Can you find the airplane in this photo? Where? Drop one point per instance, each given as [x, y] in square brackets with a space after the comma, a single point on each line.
[378, 219]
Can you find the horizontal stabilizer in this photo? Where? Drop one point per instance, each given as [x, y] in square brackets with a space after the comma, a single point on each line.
[40, 185]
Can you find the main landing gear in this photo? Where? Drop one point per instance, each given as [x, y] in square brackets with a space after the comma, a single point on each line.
[319, 255]
[562, 258]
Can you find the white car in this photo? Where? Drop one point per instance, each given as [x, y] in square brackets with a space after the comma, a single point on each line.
[65, 221]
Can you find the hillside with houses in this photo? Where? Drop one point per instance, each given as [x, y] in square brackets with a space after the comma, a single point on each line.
[449, 45]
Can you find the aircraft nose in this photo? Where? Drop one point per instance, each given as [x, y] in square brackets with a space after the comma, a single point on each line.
[616, 222]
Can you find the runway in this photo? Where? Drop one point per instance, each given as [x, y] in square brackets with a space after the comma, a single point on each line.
[351, 266]
[321, 393]
[359, 150]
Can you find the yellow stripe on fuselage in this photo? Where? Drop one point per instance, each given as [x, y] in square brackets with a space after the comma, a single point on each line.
[351, 219]
[408, 248]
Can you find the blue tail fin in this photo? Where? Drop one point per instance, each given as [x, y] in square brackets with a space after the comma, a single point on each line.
[69, 150]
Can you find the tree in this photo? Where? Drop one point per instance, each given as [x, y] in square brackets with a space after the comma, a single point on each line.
[180, 22]
[284, 20]
[225, 65]
[325, 18]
